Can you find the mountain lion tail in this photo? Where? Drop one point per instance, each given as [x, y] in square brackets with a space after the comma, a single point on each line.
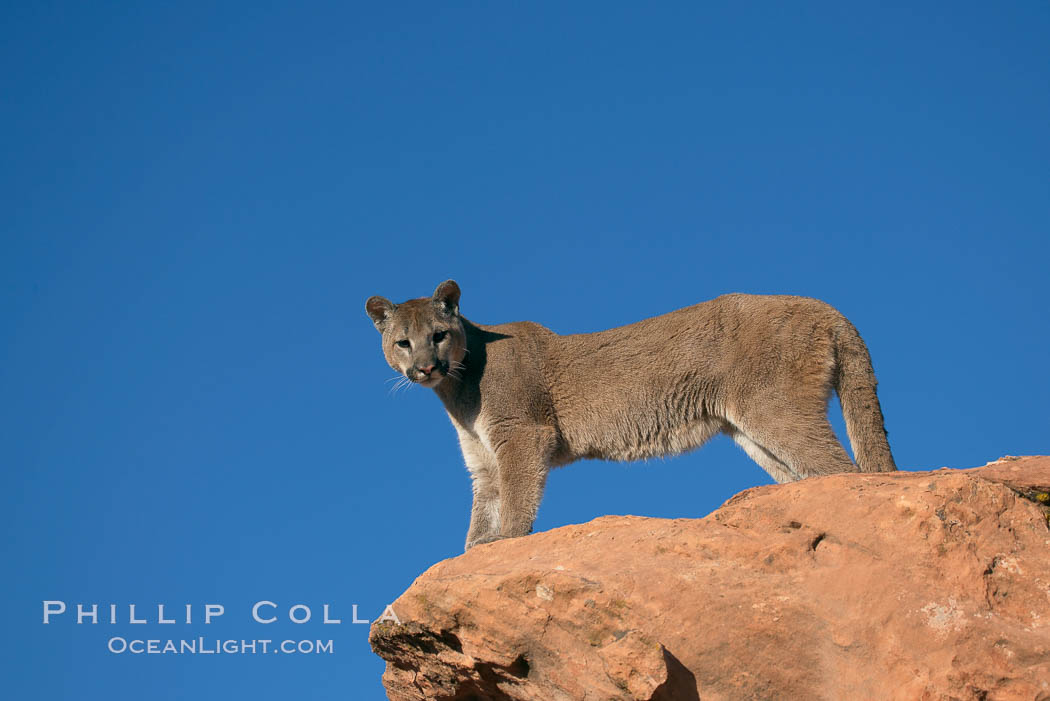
[855, 384]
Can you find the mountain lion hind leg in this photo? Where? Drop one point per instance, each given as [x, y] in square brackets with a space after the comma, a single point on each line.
[781, 422]
[766, 460]
[793, 445]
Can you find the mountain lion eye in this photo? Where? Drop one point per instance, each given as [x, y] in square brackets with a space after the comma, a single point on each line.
[440, 336]
[404, 344]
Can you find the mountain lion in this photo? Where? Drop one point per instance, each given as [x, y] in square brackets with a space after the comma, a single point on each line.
[524, 399]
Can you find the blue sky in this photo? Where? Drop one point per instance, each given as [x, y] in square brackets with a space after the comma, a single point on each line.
[198, 199]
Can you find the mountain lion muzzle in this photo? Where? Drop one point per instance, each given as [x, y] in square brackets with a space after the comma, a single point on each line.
[524, 399]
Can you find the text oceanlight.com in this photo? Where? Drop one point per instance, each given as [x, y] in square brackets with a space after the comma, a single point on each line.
[202, 646]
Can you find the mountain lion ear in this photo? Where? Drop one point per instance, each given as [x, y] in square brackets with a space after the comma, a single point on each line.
[447, 295]
[380, 309]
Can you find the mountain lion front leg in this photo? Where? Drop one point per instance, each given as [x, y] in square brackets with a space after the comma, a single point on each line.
[484, 513]
[523, 455]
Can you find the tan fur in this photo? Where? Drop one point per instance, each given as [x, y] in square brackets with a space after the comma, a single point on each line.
[524, 399]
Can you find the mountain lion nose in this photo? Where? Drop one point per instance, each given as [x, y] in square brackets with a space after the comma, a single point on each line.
[426, 370]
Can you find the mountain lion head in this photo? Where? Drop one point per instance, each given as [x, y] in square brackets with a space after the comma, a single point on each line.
[423, 338]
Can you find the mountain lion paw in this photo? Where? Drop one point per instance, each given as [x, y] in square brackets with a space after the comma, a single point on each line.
[485, 539]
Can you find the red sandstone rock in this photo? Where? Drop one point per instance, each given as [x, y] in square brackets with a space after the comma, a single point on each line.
[909, 585]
